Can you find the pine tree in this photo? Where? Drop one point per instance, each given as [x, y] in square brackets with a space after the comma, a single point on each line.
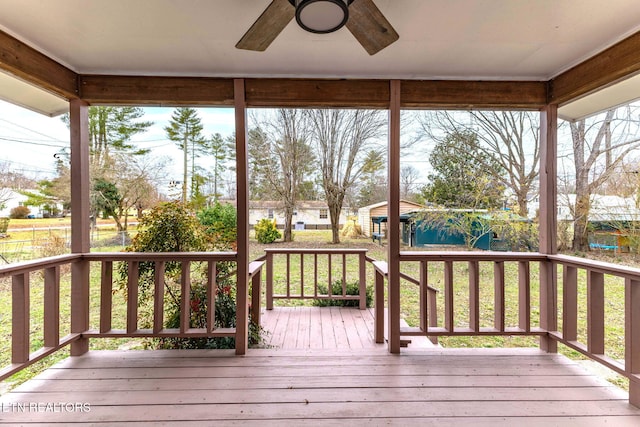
[185, 129]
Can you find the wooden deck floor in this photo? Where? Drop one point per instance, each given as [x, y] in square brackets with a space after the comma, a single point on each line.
[437, 387]
[318, 328]
[322, 368]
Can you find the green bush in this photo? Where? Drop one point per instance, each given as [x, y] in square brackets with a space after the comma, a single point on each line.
[266, 231]
[19, 212]
[353, 288]
[220, 223]
[4, 225]
[174, 227]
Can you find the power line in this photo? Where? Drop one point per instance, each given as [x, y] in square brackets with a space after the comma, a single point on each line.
[22, 141]
[31, 130]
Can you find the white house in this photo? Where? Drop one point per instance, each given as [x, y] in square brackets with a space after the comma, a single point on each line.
[309, 214]
[10, 199]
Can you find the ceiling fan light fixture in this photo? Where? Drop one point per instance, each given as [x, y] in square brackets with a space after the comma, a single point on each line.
[322, 16]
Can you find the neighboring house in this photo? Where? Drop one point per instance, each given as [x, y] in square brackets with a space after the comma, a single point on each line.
[603, 208]
[12, 199]
[377, 210]
[309, 214]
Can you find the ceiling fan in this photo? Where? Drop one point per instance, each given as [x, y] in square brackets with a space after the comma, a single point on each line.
[365, 21]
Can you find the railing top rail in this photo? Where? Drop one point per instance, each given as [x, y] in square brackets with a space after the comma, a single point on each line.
[316, 251]
[160, 256]
[597, 266]
[38, 264]
[470, 256]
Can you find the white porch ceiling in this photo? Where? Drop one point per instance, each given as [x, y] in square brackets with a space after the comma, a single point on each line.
[439, 39]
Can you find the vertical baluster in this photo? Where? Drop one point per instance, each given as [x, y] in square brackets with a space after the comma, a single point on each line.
[595, 312]
[158, 297]
[185, 297]
[424, 286]
[106, 295]
[362, 280]
[288, 275]
[255, 297]
[315, 275]
[330, 287]
[524, 296]
[52, 306]
[132, 297]
[498, 295]
[344, 274]
[269, 281]
[302, 274]
[570, 303]
[212, 288]
[20, 326]
[448, 296]
[379, 307]
[474, 295]
[632, 337]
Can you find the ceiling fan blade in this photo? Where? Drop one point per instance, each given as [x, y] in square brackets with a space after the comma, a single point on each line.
[267, 27]
[369, 26]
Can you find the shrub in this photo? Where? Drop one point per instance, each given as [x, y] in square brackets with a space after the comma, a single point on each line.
[266, 231]
[174, 227]
[4, 225]
[353, 288]
[225, 317]
[19, 212]
[220, 224]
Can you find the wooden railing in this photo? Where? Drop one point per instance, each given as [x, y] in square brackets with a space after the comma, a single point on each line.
[311, 274]
[432, 325]
[600, 277]
[21, 303]
[23, 335]
[159, 260]
[584, 312]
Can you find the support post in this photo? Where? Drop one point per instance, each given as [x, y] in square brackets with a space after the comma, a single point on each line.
[632, 339]
[80, 243]
[393, 215]
[362, 279]
[242, 198]
[548, 224]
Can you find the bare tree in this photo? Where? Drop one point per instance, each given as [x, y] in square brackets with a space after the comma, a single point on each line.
[599, 145]
[509, 138]
[341, 139]
[285, 159]
[409, 176]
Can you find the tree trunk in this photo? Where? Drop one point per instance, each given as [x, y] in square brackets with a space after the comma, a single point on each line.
[523, 208]
[334, 215]
[288, 219]
[185, 152]
[580, 224]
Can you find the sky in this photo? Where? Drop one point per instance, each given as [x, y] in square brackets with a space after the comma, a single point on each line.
[30, 140]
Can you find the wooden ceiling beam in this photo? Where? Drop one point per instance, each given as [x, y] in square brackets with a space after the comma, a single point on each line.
[153, 90]
[616, 63]
[458, 94]
[31, 66]
[317, 93]
[290, 93]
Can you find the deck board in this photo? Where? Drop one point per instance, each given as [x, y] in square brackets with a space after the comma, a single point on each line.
[479, 387]
[320, 367]
[319, 328]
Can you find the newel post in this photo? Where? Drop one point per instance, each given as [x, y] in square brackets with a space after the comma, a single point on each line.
[242, 197]
[548, 224]
[80, 243]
